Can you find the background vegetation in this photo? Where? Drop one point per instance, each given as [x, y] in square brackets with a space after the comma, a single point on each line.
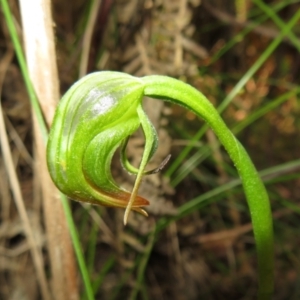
[197, 242]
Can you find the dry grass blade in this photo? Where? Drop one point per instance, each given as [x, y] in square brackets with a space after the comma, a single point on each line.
[18, 142]
[86, 43]
[16, 190]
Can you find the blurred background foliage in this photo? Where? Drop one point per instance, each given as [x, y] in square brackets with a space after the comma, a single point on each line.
[197, 242]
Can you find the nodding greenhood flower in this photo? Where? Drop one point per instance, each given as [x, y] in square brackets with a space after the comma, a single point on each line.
[94, 118]
[99, 113]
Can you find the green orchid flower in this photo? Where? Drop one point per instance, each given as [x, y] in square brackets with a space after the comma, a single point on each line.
[93, 119]
[100, 112]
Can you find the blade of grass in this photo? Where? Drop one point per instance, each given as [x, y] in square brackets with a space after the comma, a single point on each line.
[87, 37]
[208, 197]
[265, 109]
[190, 164]
[142, 265]
[295, 208]
[110, 262]
[270, 12]
[241, 35]
[91, 247]
[237, 88]
[264, 56]
[23, 67]
[77, 248]
[121, 282]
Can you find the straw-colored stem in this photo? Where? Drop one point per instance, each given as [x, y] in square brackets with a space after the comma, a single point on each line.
[41, 62]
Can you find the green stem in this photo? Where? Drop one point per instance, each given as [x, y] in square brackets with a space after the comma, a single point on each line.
[77, 248]
[258, 201]
[23, 66]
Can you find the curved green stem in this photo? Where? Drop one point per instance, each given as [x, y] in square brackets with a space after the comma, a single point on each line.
[175, 91]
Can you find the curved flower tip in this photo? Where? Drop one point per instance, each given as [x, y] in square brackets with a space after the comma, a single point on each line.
[134, 202]
[129, 201]
[122, 200]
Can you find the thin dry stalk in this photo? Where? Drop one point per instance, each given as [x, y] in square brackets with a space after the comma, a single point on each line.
[41, 61]
[87, 38]
[178, 54]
